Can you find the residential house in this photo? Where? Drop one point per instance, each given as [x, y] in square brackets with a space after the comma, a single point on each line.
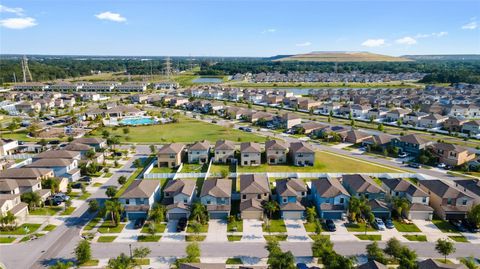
[356, 136]
[411, 143]
[216, 195]
[448, 202]
[199, 152]
[12, 203]
[378, 140]
[451, 154]
[58, 154]
[170, 155]
[362, 186]
[202, 266]
[435, 264]
[27, 173]
[62, 168]
[330, 197]
[95, 142]
[413, 118]
[124, 111]
[276, 152]
[224, 151]
[254, 190]
[377, 113]
[472, 127]
[469, 185]
[373, 264]
[453, 124]
[432, 121]
[250, 154]
[308, 127]
[396, 114]
[8, 146]
[302, 154]
[139, 198]
[179, 195]
[291, 193]
[289, 120]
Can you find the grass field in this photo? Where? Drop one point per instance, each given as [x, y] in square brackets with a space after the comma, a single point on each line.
[46, 211]
[107, 227]
[234, 261]
[91, 224]
[148, 238]
[444, 226]
[234, 238]
[235, 227]
[459, 238]
[194, 168]
[278, 237]
[186, 130]
[371, 237]
[68, 211]
[406, 228]
[162, 170]
[416, 237]
[20, 230]
[203, 229]
[276, 226]
[358, 227]
[159, 228]
[6, 240]
[49, 227]
[106, 239]
[324, 162]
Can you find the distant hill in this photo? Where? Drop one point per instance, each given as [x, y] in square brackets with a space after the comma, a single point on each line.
[341, 56]
[446, 57]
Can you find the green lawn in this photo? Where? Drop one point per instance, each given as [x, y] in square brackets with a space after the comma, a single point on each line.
[217, 168]
[194, 168]
[371, 237]
[310, 227]
[145, 261]
[233, 238]
[204, 228]
[235, 227]
[108, 175]
[276, 226]
[68, 211]
[324, 162]
[162, 170]
[106, 228]
[459, 238]
[320, 236]
[46, 211]
[149, 238]
[406, 228]
[444, 226]
[234, 261]
[84, 196]
[20, 230]
[28, 237]
[6, 240]
[358, 227]
[91, 224]
[49, 227]
[416, 237]
[195, 238]
[97, 184]
[279, 237]
[159, 228]
[186, 130]
[106, 239]
[90, 263]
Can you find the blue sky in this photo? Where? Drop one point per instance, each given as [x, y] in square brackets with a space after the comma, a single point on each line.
[238, 28]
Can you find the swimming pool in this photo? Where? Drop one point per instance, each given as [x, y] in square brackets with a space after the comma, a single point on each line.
[138, 121]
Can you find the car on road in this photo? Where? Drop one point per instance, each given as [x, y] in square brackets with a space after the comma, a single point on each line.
[302, 266]
[181, 225]
[248, 130]
[330, 225]
[389, 224]
[402, 155]
[414, 165]
[139, 223]
[442, 165]
[378, 224]
[458, 225]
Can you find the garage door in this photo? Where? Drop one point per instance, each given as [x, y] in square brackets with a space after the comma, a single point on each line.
[381, 214]
[136, 215]
[332, 215]
[175, 216]
[252, 215]
[218, 215]
[292, 215]
[455, 216]
[421, 215]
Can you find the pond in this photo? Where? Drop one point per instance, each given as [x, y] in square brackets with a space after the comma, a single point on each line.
[207, 80]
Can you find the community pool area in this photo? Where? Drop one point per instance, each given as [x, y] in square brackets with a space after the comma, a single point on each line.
[138, 121]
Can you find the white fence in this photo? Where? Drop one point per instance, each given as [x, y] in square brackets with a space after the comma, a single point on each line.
[22, 156]
[22, 163]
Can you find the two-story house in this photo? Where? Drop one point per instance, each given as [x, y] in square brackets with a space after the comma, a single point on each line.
[254, 190]
[330, 197]
[250, 154]
[276, 151]
[291, 193]
[216, 195]
[432, 121]
[411, 143]
[179, 195]
[302, 154]
[12, 203]
[139, 198]
[362, 186]
[170, 155]
[451, 154]
[199, 152]
[224, 151]
[62, 168]
[8, 146]
[97, 143]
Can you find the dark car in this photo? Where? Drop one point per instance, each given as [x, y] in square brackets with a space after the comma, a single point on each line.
[181, 225]
[52, 201]
[54, 142]
[389, 224]
[77, 185]
[414, 165]
[248, 130]
[302, 266]
[470, 226]
[330, 225]
[86, 179]
[139, 223]
[458, 225]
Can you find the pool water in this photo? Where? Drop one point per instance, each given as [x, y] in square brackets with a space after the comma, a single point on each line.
[138, 121]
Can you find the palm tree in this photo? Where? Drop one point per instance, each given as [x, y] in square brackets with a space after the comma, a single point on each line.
[157, 213]
[115, 208]
[270, 207]
[401, 205]
[199, 212]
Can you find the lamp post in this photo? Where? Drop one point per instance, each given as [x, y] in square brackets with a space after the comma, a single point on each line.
[130, 246]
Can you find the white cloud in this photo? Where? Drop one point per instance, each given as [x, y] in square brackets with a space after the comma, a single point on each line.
[18, 23]
[371, 43]
[14, 10]
[406, 41]
[304, 44]
[470, 26]
[110, 16]
[269, 31]
[438, 34]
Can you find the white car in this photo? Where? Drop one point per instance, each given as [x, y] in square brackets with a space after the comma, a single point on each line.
[441, 165]
[379, 225]
[402, 155]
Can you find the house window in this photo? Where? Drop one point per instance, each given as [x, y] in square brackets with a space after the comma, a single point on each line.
[259, 196]
[208, 202]
[172, 156]
[424, 199]
[396, 193]
[284, 200]
[342, 200]
[185, 201]
[449, 201]
[167, 194]
[303, 193]
[127, 201]
[244, 196]
[464, 202]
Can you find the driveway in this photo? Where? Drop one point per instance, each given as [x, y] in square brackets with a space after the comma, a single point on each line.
[170, 234]
[341, 145]
[217, 231]
[342, 234]
[129, 234]
[252, 231]
[430, 230]
[296, 231]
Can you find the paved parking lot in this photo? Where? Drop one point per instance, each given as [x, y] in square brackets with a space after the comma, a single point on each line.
[170, 234]
[252, 231]
[296, 231]
[217, 231]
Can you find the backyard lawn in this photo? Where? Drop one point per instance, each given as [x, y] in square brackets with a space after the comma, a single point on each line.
[194, 168]
[186, 130]
[324, 162]
[163, 170]
[406, 228]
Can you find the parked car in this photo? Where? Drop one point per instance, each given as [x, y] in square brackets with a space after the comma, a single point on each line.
[181, 225]
[389, 224]
[458, 225]
[61, 197]
[86, 179]
[470, 226]
[302, 266]
[248, 130]
[52, 201]
[441, 165]
[402, 154]
[77, 185]
[414, 165]
[330, 225]
[241, 128]
[378, 224]
[139, 223]
[54, 142]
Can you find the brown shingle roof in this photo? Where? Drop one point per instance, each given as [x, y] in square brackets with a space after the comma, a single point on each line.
[54, 154]
[141, 189]
[254, 184]
[25, 173]
[203, 145]
[250, 147]
[301, 147]
[329, 187]
[173, 148]
[217, 188]
[290, 187]
[224, 145]
[275, 145]
[185, 186]
[361, 183]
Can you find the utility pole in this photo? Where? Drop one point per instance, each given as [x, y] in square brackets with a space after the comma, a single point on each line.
[168, 67]
[25, 70]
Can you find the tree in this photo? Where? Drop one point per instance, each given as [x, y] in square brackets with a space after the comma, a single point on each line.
[61, 265]
[157, 213]
[469, 262]
[13, 126]
[93, 205]
[401, 205]
[393, 247]
[474, 215]
[321, 246]
[33, 129]
[375, 253]
[125, 130]
[199, 213]
[270, 207]
[111, 191]
[193, 252]
[318, 227]
[141, 252]
[32, 199]
[153, 149]
[381, 128]
[407, 259]
[7, 219]
[196, 227]
[137, 163]
[121, 262]
[311, 214]
[122, 180]
[444, 247]
[83, 252]
[105, 134]
[114, 208]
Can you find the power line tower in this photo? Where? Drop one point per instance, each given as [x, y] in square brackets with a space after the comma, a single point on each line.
[25, 70]
[168, 67]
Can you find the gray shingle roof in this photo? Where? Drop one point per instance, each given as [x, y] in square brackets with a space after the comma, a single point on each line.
[250, 147]
[141, 189]
[254, 184]
[329, 187]
[224, 145]
[217, 188]
[301, 147]
[290, 187]
[361, 183]
[185, 186]
[275, 145]
[173, 148]
[25, 173]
